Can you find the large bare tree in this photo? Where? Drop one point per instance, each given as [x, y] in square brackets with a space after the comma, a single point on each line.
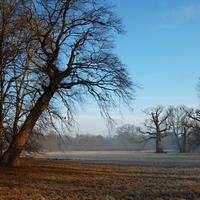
[193, 125]
[156, 126]
[183, 127]
[12, 42]
[67, 59]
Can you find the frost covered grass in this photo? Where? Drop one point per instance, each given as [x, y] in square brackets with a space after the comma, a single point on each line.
[74, 179]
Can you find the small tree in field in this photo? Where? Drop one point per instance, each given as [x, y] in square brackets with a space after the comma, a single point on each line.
[157, 126]
[66, 58]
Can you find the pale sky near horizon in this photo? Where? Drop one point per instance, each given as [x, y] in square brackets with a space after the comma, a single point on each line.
[161, 49]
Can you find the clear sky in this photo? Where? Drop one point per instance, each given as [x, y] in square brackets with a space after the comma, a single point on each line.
[161, 49]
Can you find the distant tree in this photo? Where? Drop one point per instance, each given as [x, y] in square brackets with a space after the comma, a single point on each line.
[51, 141]
[194, 140]
[181, 127]
[87, 142]
[194, 124]
[127, 137]
[157, 126]
[195, 115]
[94, 142]
[72, 60]
[127, 129]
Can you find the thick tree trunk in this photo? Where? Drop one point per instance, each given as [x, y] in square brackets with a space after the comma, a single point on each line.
[185, 150]
[159, 148]
[1, 93]
[12, 156]
[1, 117]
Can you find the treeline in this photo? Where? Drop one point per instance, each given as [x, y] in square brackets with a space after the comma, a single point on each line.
[89, 142]
[171, 128]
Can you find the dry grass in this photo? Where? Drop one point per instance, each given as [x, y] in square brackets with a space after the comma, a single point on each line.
[40, 180]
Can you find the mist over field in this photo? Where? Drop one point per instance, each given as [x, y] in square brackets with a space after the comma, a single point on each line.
[118, 149]
[120, 142]
[127, 158]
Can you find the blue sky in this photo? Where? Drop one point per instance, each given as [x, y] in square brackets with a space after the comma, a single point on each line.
[161, 49]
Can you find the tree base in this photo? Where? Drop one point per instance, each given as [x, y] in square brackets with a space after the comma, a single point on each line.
[9, 160]
[161, 151]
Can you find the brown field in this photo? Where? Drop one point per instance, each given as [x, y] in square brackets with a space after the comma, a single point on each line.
[75, 178]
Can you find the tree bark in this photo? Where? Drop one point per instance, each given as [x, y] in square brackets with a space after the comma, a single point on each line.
[185, 150]
[11, 157]
[1, 93]
[159, 148]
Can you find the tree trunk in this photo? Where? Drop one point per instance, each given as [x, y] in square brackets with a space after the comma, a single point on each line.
[1, 93]
[185, 150]
[159, 148]
[12, 156]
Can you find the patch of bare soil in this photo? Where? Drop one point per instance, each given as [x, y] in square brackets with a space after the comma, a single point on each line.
[41, 180]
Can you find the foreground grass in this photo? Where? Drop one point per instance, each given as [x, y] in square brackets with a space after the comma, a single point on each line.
[40, 180]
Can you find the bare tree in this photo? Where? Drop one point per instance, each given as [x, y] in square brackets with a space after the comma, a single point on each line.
[5, 32]
[15, 68]
[193, 125]
[181, 127]
[11, 16]
[157, 126]
[73, 60]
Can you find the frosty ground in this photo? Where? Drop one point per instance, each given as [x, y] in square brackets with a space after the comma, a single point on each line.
[127, 158]
[75, 175]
